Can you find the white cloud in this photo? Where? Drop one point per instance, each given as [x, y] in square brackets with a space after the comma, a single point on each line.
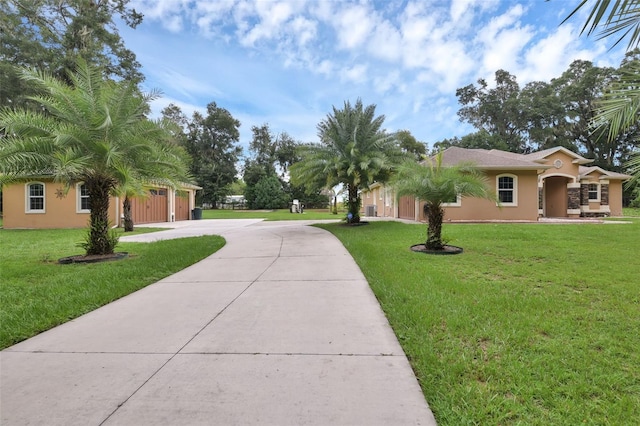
[189, 87]
[188, 109]
[385, 42]
[503, 41]
[304, 30]
[387, 82]
[325, 67]
[459, 8]
[355, 74]
[271, 16]
[279, 61]
[353, 25]
[550, 56]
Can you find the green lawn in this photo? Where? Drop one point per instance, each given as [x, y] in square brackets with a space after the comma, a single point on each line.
[311, 214]
[532, 325]
[37, 293]
[629, 212]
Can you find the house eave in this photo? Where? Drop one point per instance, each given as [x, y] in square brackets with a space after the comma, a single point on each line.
[537, 167]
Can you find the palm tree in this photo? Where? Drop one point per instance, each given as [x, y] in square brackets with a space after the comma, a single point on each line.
[92, 131]
[353, 151]
[437, 184]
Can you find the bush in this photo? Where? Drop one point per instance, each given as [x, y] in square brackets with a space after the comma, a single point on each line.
[267, 194]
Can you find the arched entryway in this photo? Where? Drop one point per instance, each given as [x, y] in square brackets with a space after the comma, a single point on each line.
[555, 196]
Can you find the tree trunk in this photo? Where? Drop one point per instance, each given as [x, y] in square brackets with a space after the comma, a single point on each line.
[99, 241]
[354, 204]
[128, 218]
[434, 231]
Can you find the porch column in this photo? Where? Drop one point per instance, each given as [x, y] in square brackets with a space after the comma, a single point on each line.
[540, 197]
[604, 192]
[584, 196]
[605, 210]
[574, 198]
[171, 198]
[396, 201]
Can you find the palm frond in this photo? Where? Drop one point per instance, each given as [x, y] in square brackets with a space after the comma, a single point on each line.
[612, 18]
[619, 108]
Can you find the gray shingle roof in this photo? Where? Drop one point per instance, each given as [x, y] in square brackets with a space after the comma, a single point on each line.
[609, 175]
[494, 159]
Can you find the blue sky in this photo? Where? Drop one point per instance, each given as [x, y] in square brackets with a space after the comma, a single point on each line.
[286, 63]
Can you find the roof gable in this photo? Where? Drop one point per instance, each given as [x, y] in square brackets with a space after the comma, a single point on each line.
[586, 171]
[541, 156]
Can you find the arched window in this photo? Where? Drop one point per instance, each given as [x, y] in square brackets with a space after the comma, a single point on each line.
[35, 197]
[82, 198]
[507, 189]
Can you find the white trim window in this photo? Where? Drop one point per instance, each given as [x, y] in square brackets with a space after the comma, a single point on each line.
[35, 200]
[507, 189]
[454, 202]
[83, 204]
[594, 191]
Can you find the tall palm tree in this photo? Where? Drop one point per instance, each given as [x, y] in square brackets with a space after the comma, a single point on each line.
[353, 151]
[437, 184]
[93, 131]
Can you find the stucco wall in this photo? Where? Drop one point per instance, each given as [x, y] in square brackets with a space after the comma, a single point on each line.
[567, 169]
[615, 197]
[60, 210]
[480, 209]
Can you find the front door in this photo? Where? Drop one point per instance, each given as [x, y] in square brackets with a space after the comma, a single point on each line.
[555, 196]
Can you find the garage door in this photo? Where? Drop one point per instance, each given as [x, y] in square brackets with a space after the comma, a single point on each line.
[407, 208]
[182, 205]
[152, 208]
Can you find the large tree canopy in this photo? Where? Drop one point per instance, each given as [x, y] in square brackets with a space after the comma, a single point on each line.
[92, 131]
[547, 114]
[52, 34]
[266, 171]
[212, 143]
[354, 151]
[496, 110]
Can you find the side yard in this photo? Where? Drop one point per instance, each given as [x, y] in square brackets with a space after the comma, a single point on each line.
[37, 293]
[533, 324]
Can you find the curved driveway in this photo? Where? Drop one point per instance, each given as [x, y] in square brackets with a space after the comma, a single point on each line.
[279, 327]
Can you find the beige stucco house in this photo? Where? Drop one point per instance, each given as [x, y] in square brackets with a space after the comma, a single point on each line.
[43, 203]
[551, 183]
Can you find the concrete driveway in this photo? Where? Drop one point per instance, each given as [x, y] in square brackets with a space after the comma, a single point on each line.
[279, 327]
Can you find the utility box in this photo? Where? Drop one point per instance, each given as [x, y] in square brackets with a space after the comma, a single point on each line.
[371, 210]
[297, 207]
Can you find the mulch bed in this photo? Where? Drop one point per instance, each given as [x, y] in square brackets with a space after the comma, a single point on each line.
[421, 248]
[95, 258]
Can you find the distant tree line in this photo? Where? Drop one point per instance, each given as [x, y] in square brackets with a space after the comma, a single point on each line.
[542, 114]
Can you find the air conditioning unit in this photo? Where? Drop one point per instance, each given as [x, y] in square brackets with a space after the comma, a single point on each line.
[370, 210]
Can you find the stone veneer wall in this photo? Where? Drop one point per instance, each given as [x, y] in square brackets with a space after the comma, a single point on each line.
[584, 194]
[573, 198]
[604, 194]
[540, 206]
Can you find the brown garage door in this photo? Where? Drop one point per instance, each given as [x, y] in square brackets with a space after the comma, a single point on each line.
[182, 205]
[407, 208]
[152, 208]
